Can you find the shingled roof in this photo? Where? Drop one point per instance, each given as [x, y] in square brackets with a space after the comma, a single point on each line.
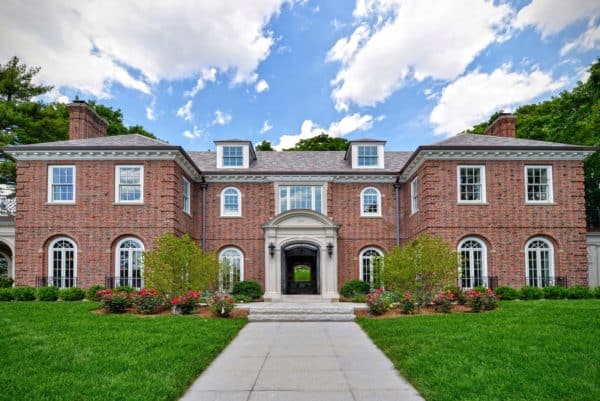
[477, 141]
[114, 141]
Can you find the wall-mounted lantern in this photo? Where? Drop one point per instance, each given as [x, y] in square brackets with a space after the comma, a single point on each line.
[330, 249]
[271, 249]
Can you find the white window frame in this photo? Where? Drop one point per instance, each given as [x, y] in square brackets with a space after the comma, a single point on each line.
[117, 184]
[62, 268]
[483, 192]
[551, 270]
[550, 185]
[313, 196]
[130, 266]
[241, 256]
[361, 267]
[358, 147]
[414, 195]
[241, 147]
[362, 203]
[187, 196]
[225, 213]
[50, 184]
[484, 264]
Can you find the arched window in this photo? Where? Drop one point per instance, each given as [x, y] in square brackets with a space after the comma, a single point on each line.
[473, 263]
[5, 265]
[370, 202]
[539, 262]
[232, 268]
[62, 263]
[231, 204]
[129, 263]
[371, 262]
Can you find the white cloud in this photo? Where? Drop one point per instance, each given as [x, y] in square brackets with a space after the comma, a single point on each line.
[261, 86]
[415, 38]
[347, 125]
[550, 17]
[588, 40]
[267, 126]
[207, 75]
[221, 118]
[185, 111]
[472, 98]
[150, 110]
[193, 133]
[89, 45]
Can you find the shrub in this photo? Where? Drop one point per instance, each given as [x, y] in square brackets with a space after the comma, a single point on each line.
[407, 304]
[7, 294]
[125, 288]
[354, 287]
[92, 292]
[507, 293]
[185, 304]
[579, 292]
[362, 298]
[423, 266]
[597, 292]
[115, 302]
[6, 282]
[378, 302]
[555, 292]
[241, 299]
[148, 301]
[529, 292]
[442, 302]
[72, 294]
[47, 293]
[222, 305]
[24, 293]
[459, 294]
[480, 300]
[248, 288]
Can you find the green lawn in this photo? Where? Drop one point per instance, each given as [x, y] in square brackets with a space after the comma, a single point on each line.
[301, 273]
[532, 350]
[61, 351]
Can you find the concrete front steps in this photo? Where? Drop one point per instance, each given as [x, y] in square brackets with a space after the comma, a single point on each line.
[302, 308]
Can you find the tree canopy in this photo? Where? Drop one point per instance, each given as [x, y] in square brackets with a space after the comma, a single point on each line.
[15, 82]
[264, 146]
[321, 142]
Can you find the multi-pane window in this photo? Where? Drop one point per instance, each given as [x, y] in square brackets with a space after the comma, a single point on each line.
[471, 184]
[61, 184]
[370, 201]
[300, 197]
[232, 268]
[130, 263]
[186, 195]
[540, 263]
[230, 202]
[414, 195]
[62, 263]
[130, 184]
[367, 156]
[371, 263]
[538, 184]
[4, 265]
[233, 156]
[472, 263]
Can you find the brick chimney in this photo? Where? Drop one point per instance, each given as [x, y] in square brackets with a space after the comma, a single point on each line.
[84, 122]
[503, 125]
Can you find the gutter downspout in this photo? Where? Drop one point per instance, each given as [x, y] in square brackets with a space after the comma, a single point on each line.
[397, 188]
[203, 186]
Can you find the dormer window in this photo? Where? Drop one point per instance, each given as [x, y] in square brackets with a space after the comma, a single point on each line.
[233, 156]
[367, 155]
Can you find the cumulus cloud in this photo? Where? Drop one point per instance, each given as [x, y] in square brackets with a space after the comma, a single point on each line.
[473, 97]
[185, 111]
[309, 129]
[193, 133]
[411, 39]
[261, 86]
[207, 75]
[550, 17]
[221, 118]
[267, 126]
[89, 45]
[588, 40]
[150, 111]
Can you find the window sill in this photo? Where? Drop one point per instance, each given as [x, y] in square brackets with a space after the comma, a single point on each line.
[62, 203]
[231, 217]
[540, 203]
[413, 213]
[371, 216]
[472, 203]
[128, 203]
[188, 213]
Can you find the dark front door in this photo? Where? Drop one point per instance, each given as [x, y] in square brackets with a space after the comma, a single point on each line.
[301, 270]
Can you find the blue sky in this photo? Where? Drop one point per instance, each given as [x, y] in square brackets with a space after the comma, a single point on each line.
[410, 72]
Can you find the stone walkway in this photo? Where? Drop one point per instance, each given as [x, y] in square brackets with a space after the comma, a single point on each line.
[292, 361]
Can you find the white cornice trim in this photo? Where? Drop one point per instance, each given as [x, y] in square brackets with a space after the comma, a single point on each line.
[484, 155]
[301, 178]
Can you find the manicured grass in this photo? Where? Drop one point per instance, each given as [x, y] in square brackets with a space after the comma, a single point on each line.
[532, 350]
[302, 274]
[61, 351]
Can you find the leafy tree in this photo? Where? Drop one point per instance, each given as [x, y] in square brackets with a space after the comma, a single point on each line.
[15, 82]
[264, 146]
[321, 142]
[177, 265]
[424, 266]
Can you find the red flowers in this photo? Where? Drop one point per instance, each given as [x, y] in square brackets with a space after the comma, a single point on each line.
[186, 303]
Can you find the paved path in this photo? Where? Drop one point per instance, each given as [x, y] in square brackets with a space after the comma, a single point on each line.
[330, 361]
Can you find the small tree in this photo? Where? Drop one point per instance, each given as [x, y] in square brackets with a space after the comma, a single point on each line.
[177, 265]
[423, 266]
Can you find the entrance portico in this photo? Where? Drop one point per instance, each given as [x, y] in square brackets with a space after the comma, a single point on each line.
[301, 255]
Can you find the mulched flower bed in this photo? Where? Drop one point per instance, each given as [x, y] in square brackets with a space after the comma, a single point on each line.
[426, 310]
[202, 311]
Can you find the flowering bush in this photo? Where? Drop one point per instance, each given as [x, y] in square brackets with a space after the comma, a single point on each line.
[459, 294]
[480, 300]
[222, 305]
[148, 301]
[114, 301]
[442, 302]
[378, 302]
[185, 304]
[407, 303]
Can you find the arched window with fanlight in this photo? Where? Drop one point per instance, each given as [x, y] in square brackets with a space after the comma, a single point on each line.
[371, 263]
[370, 202]
[231, 202]
[232, 268]
[62, 263]
[130, 263]
[473, 263]
[539, 254]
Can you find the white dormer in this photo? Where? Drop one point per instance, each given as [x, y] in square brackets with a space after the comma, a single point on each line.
[235, 154]
[366, 153]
